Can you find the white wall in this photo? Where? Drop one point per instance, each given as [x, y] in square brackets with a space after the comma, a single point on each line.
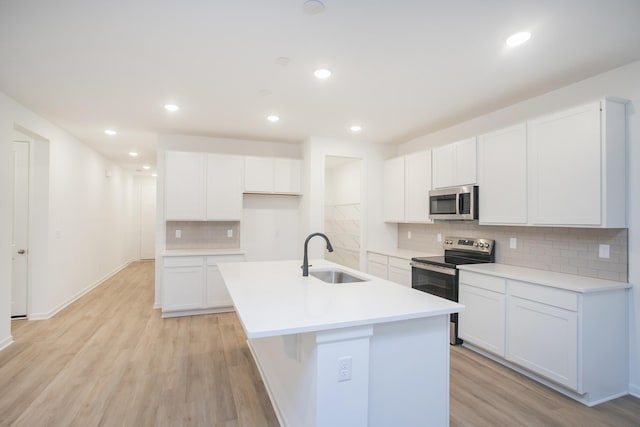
[82, 225]
[623, 82]
[376, 232]
[144, 216]
[342, 184]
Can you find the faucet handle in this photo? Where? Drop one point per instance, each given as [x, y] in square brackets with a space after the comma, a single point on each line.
[310, 265]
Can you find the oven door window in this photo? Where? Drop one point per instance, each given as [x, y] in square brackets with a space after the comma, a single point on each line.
[435, 283]
[443, 205]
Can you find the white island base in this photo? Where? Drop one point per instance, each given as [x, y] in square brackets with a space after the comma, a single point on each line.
[389, 374]
[367, 353]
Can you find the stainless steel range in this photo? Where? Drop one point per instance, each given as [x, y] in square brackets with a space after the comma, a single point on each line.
[439, 275]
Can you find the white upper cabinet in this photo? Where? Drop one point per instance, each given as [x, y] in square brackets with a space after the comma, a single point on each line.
[455, 164]
[184, 186]
[287, 176]
[417, 186]
[224, 187]
[407, 181]
[393, 191]
[502, 176]
[201, 186]
[576, 161]
[259, 174]
[272, 175]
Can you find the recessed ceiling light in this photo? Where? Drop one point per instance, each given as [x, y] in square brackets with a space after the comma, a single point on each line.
[171, 107]
[518, 38]
[154, 175]
[283, 60]
[133, 154]
[322, 73]
[146, 167]
[110, 132]
[355, 128]
[313, 7]
[273, 118]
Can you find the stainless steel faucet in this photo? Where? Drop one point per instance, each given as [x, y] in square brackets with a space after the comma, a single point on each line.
[305, 260]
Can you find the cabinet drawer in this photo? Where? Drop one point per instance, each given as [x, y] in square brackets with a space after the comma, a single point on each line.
[184, 261]
[400, 275]
[545, 295]
[400, 263]
[378, 270]
[217, 259]
[490, 283]
[377, 258]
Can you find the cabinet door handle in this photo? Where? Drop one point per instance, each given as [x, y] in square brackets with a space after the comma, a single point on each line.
[21, 251]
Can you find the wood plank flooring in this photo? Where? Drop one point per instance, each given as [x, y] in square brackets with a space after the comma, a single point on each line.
[110, 360]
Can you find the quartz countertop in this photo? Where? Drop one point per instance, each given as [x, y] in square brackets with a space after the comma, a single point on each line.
[201, 252]
[402, 253]
[569, 282]
[273, 298]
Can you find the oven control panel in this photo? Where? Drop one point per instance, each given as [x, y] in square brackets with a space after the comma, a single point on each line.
[467, 244]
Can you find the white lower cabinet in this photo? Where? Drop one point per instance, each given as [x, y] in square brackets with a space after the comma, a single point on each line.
[193, 285]
[399, 271]
[572, 341]
[216, 291]
[377, 265]
[390, 268]
[182, 286]
[544, 339]
[483, 321]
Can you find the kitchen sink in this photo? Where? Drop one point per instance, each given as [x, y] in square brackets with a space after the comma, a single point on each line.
[336, 276]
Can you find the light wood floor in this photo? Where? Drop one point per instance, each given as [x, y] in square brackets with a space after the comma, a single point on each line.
[109, 359]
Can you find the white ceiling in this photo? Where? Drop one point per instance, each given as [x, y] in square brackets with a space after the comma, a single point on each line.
[401, 68]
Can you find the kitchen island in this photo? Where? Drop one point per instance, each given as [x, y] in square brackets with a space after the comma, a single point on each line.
[369, 353]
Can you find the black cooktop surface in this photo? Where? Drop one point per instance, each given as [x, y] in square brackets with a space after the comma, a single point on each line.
[453, 258]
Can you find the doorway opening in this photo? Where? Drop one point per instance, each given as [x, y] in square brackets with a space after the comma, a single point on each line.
[30, 224]
[343, 210]
[20, 227]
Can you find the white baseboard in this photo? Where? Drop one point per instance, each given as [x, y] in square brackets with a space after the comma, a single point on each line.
[585, 399]
[63, 305]
[156, 305]
[169, 314]
[634, 390]
[6, 342]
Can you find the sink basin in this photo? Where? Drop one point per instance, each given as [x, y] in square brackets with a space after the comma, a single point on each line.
[335, 276]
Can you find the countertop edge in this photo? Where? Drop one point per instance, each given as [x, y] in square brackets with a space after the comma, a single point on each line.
[402, 253]
[200, 252]
[329, 327]
[552, 280]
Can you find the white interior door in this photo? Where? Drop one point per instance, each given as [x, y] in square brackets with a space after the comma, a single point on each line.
[148, 221]
[19, 254]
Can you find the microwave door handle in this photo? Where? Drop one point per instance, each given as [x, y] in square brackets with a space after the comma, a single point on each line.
[460, 202]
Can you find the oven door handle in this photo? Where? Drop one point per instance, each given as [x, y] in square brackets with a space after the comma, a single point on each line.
[444, 270]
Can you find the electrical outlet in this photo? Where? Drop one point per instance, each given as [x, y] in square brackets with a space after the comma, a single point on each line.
[409, 235]
[178, 234]
[604, 251]
[513, 243]
[439, 237]
[230, 232]
[344, 368]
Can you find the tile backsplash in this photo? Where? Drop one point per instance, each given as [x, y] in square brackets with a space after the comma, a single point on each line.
[203, 234]
[564, 250]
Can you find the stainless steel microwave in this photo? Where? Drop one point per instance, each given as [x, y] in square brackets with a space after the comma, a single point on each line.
[454, 203]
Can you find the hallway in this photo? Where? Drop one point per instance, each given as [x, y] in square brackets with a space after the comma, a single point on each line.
[109, 359]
